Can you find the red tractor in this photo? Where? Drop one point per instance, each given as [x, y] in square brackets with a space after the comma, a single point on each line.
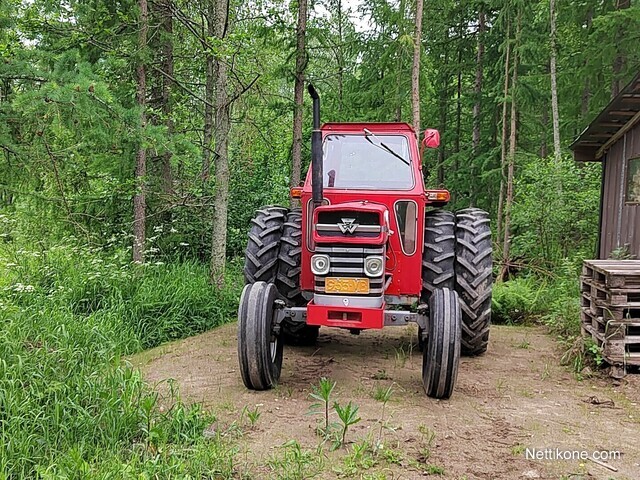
[366, 250]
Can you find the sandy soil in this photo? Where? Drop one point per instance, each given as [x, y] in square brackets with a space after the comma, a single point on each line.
[514, 398]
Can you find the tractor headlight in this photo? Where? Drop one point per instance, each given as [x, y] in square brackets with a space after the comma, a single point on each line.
[320, 264]
[373, 266]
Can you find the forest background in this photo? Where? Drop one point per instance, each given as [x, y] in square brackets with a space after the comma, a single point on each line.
[138, 137]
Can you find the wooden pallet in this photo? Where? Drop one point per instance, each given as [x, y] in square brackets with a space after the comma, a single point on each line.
[611, 297]
[610, 310]
[618, 314]
[613, 273]
[610, 329]
[623, 350]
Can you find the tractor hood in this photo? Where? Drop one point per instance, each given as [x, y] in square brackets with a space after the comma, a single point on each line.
[351, 222]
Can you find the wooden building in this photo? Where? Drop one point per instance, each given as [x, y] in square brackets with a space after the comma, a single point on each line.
[613, 138]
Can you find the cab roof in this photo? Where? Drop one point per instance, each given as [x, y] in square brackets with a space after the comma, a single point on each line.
[377, 127]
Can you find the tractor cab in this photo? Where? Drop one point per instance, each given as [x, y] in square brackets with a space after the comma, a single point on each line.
[367, 230]
[366, 250]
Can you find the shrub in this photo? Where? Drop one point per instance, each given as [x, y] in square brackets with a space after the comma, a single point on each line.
[517, 301]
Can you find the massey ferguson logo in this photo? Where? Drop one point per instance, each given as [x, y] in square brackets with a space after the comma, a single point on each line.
[348, 225]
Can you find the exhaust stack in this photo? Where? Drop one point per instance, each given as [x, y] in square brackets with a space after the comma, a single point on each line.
[316, 149]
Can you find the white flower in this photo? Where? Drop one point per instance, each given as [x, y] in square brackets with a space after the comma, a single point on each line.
[19, 287]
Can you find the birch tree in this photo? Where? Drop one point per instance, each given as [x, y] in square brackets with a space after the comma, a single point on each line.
[415, 71]
[139, 198]
[298, 93]
[554, 83]
[221, 149]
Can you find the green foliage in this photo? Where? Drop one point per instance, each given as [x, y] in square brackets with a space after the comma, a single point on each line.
[253, 415]
[322, 394]
[292, 462]
[69, 403]
[157, 302]
[348, 416]
[556, 212]
[360, 458]
[517, 301]
[594, 351]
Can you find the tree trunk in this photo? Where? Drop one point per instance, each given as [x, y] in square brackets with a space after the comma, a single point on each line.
[298, 94]
[167, 85]
[415, 71]
[477, 105]
[620, 61]
[544, 148]
[503, 142]
[586, 90]
[139, 198]
[506, 244]
[400, 74]
[554, 85]
[340, 60]
[442, 154]
[456, 145]
[221, 141]
[209, 93]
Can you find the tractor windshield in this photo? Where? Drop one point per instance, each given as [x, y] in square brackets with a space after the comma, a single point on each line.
[354, 162]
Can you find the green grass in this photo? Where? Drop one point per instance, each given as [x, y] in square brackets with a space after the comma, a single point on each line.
[70, 407]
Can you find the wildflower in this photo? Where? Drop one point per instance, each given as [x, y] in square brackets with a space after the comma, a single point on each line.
[19, 287]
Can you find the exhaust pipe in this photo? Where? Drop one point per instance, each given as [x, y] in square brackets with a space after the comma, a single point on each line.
[316, 149]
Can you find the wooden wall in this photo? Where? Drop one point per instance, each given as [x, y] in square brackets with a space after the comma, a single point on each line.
[620, 220]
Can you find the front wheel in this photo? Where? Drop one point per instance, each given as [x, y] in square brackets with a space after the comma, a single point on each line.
[259, 349]
[441, 357]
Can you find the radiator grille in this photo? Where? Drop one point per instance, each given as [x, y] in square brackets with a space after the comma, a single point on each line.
[349, 262]
[348, 223]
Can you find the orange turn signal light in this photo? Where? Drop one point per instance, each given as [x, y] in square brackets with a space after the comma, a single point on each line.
[438, 195]
[295, 192]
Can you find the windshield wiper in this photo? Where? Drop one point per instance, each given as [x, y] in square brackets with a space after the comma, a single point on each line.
[386, 148]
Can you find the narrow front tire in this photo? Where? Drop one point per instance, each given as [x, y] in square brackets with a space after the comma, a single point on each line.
[259, 348]
[442, 353]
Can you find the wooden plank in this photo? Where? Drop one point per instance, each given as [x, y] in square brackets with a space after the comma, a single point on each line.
[613, 273]
[622, 113]
[628, 126]
[615, 351]
[611, 262]
[612, 297]
[615, 314]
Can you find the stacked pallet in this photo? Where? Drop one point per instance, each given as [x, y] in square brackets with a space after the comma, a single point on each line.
[611, 310]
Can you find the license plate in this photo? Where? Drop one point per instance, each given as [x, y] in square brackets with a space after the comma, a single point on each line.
[346, 285]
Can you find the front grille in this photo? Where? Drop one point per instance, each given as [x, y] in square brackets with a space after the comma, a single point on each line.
[349, 262]
[348, 223]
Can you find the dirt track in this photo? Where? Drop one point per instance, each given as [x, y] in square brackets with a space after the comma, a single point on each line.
[517, 396]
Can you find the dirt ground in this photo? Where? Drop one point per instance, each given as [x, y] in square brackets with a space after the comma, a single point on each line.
[515, 397]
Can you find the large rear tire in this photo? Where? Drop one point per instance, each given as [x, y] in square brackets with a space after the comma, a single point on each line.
[288, 280]
[259, 349]
[441, 357]
[289, 259]
[261, 254]
[438, 256]
[474, 278]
